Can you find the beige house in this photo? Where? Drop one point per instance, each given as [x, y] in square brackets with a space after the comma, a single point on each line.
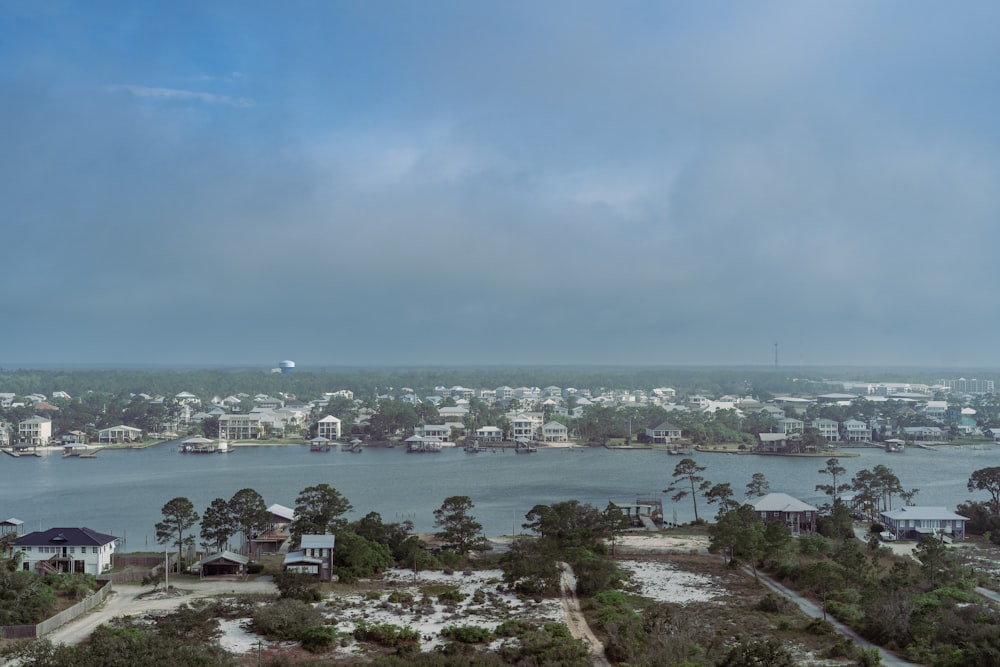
[328, 427]
[35, 431]
[240, 426]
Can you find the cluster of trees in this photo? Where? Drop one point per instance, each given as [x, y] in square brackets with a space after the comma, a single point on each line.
[362, 547]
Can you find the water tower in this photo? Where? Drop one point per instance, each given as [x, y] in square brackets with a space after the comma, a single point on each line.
[286, 366]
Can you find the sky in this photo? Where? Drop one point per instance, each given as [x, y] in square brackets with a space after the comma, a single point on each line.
[468, 183]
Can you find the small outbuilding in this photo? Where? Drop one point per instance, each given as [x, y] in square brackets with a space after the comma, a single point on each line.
[223, 564]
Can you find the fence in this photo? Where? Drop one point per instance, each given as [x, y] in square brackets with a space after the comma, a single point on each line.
[148, 566]
[65, 616]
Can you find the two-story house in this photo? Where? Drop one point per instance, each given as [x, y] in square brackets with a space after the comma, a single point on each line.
[314, 556]
[71, 550]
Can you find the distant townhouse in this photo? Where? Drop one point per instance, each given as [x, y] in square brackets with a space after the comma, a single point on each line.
[328, 427]
[439, 431]
[857, 431]
[119, 434]
[523, 426]
[453, 413]
[504, 393]
[35, 431]
[790, 426]
[663, 433]
[554, 431]
[922, 433]
[936, 410]
[6, 398]
[489, 434]
[828, 429]
[240, 426]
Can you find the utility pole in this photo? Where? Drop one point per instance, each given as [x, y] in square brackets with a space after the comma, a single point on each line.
[776, 355]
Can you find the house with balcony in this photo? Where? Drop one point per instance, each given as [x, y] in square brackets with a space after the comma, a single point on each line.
[240, 426]
[915, 522]
[524, 427]
[791, 426]
[828, 428]
[554, 431]
[69, 550]
[35, 431]
[276, 533]
[857, 431]
[328, 427]
[489, 434]
[800, 517]
[663, 433]
[119, 434]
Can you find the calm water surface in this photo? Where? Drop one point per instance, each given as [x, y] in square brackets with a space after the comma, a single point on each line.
[121, 491]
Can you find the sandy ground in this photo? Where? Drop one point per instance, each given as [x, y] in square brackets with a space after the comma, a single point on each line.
[130, 600]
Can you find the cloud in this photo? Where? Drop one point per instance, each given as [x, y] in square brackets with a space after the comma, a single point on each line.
[174, 94]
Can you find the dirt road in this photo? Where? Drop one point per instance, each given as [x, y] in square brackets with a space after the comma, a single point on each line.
[575, 619]
[125, 600]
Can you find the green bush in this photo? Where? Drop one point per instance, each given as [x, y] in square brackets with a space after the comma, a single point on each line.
[285, 619]
[401, 597]
[318, 638]
[385, 634]
[467, 634]
[451, 596]
[255, 568]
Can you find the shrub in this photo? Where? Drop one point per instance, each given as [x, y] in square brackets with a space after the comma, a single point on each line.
[318, 638]
[401, 597]
[285, 619]
[467, 634]
[819, 626]
[255, 568]
[450, 596]
[385, 634]
[298, 586]
[770, 604]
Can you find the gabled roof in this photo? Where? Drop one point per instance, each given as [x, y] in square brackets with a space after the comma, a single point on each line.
[317, 542]
[665, 426]
[71, 537]
[226, 555]
[923, 513]
[282, 511]
[782, 502]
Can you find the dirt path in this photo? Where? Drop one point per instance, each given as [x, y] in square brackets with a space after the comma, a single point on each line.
[575, 620]
[125, 601]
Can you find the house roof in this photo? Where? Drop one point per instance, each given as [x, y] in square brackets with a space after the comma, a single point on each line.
[282, 511]
[923, 513]
[65, 536]
[664, 426]
[297, 557]
[226, 555]
[782, 502]
[317, 542]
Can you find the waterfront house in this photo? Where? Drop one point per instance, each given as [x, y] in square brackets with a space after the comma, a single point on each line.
[240, 426]
[275, 534]
[828, 429]
[922, 433]
[524, 426]
[439, 431]
[489, 434]
[119, 434]
[791, 426]
[35, 431]
[663, 433]
[328, 427]
[222, 564]
[314, 556]
[797, 515]
[70, 550]
[914, 522]
[857, 431]
[772, 443]
[554, 431]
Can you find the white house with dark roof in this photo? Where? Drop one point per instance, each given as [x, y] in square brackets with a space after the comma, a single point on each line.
[72, 550]
[914, 522]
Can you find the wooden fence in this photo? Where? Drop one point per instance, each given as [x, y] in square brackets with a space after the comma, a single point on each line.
[65, 616]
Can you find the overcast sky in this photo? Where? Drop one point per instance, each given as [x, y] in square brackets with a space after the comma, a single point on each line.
[500, 182]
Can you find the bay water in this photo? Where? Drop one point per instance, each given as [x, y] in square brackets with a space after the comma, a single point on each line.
[121, 491]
